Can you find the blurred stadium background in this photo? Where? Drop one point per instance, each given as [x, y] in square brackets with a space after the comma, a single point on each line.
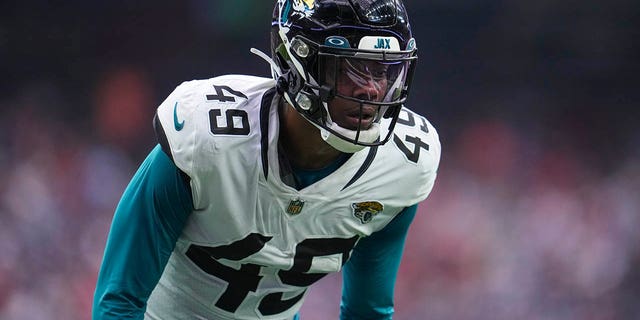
[535, 212]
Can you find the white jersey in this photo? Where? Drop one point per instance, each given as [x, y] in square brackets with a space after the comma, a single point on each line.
[254, 244]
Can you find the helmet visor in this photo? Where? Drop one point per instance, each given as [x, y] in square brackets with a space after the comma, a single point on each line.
[366, 86]
[370, 78]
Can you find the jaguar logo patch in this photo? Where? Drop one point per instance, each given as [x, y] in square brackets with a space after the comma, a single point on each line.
[365, 211]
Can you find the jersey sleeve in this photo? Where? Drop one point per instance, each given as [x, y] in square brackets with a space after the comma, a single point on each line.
[419, 144]
[370, 274]
[147, 223]
[175, 124]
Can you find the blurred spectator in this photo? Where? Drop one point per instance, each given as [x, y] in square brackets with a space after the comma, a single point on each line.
[123, 102]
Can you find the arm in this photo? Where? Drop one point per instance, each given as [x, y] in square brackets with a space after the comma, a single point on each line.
[147, 223]
[370, 274]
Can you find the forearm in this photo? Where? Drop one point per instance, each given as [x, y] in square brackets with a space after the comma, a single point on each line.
[145, 228]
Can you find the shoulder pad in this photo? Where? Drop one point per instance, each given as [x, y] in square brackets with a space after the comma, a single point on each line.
[415, 145]
[184, 118]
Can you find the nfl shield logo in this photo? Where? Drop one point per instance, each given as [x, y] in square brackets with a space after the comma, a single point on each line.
[295, 206]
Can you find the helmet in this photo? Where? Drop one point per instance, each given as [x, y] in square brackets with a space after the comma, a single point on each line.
[355, 53]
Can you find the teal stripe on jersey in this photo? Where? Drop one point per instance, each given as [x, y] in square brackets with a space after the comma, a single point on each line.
[369, 276]
[146, 225]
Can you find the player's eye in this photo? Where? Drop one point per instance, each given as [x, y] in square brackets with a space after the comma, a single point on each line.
[371, 69]
[380, 74]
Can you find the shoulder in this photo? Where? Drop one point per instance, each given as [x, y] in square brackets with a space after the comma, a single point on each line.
[416, 139]
[412, 155]
[203, 115]
[222, 89]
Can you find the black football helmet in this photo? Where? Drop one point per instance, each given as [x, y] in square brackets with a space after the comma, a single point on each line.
[359, 53]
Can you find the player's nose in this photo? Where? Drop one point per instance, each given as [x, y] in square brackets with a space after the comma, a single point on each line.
[370, 91]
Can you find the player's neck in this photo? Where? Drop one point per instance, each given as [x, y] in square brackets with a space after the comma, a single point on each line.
[302, 142]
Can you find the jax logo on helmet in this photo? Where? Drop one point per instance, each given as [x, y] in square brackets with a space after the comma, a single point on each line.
[379, 43]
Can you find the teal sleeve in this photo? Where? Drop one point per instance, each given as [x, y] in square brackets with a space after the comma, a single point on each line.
[369, 276]
[147, 223]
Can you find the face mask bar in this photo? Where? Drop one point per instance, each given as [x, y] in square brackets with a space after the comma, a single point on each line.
[356, 79]
[348, 71]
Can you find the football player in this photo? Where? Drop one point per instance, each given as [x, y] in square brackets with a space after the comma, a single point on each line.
[259, 187]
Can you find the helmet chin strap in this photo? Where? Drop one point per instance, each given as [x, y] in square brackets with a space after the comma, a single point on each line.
[367, 136]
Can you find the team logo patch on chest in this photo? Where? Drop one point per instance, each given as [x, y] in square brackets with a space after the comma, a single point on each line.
[365, 211]
[295, 206]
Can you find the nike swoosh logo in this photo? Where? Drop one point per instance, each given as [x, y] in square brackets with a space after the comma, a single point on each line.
[176, 124]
